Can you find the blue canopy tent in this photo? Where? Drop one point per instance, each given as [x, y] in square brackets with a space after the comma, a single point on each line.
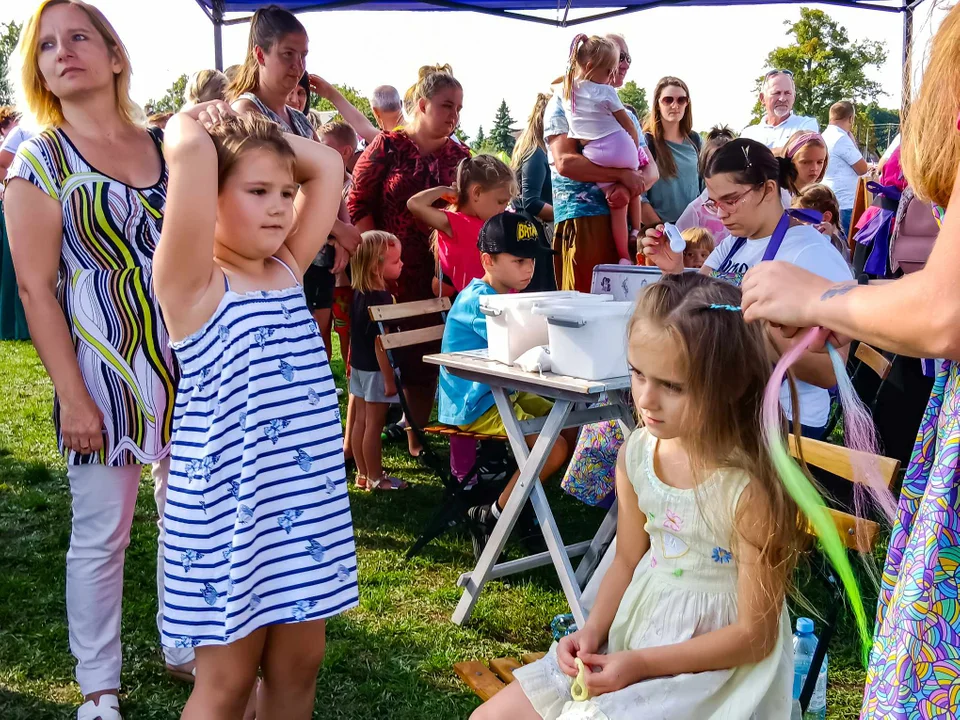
[217, 11]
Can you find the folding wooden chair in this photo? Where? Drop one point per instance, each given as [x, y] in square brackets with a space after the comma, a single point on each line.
[857, 533]
[460, 494]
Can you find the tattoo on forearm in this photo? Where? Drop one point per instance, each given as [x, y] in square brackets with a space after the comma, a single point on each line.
[838, 290]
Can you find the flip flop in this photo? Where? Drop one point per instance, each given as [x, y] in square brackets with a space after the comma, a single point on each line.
[386, 484]
[107, 707]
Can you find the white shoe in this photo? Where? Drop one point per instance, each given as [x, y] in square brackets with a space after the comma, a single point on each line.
[106, 708]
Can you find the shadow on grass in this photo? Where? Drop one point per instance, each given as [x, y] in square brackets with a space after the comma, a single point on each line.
[16, 706]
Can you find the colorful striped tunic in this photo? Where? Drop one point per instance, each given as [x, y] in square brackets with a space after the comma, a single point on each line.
[258, 526]
[110, 232]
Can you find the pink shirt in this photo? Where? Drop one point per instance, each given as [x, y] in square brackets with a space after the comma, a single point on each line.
[458, 254]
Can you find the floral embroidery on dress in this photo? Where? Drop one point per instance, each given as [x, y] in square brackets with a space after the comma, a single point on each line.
[673, 522]
[722, 555]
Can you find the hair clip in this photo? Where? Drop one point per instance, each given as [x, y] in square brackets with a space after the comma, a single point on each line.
[746, 156]
[719, 306]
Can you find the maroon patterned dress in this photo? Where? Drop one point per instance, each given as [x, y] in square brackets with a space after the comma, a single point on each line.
[390, 172]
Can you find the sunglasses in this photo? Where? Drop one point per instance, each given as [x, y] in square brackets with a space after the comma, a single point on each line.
[670, 100]
[772, 73]
[625, 58]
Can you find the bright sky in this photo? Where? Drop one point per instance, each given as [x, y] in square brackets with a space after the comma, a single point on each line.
[717, 51]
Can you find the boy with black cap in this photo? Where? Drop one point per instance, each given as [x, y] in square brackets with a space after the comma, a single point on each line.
[509, 244]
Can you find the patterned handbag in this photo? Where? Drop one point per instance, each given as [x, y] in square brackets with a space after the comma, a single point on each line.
[591, 475]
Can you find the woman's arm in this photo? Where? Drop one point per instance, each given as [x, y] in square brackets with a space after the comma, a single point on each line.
[532, 180]
[573, 165]
[917, 315]
[35, 225]
[183, 264]
[320, 174]
[421, 207]
[353, 117]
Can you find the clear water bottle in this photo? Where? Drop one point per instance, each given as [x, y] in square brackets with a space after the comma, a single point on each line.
[804, 645]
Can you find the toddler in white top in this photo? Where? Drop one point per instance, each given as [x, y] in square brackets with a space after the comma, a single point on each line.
[598, 119]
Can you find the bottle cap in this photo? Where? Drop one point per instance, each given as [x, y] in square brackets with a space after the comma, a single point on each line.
[805, 625]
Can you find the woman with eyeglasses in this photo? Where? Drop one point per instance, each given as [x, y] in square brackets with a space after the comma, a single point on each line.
[744, 182]
[676, 148]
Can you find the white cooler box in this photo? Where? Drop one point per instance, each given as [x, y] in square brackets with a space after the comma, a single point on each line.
[512, 327]
[588, 341]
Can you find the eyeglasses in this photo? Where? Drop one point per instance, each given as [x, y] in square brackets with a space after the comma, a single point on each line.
[625, 58]
[773, 73]
[670, 100]
[728, 206]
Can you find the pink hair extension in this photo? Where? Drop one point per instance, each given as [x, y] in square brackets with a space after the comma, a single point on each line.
[860, 434]
[804, 493]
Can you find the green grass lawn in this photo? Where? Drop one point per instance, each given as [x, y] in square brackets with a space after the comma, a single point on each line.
[392, 657]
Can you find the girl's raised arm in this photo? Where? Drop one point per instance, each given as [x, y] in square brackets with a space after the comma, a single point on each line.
[183, 264]
[320, 174]
[421, 207]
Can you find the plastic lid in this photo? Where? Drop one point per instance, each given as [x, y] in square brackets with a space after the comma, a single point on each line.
[805, 626]
[520, 299]
[584, 312]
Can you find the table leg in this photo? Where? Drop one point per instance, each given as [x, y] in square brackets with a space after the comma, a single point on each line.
[531, 463]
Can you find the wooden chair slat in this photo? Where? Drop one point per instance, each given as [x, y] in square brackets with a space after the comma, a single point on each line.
[531, 657]
[877, 362]
[857, 533]
[504, 668]
[452, 431]
[478, 678]
[839, 460]
[392, 341]
[400, 311]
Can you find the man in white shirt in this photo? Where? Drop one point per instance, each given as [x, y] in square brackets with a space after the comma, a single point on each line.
[778, 95]
[846, 164]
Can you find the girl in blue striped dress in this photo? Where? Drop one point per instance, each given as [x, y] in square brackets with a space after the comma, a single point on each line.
[259, 547]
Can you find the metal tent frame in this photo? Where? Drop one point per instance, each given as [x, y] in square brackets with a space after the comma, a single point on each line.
[217, 10]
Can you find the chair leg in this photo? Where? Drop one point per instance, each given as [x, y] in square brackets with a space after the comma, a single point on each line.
[829, 627]
[451, 513]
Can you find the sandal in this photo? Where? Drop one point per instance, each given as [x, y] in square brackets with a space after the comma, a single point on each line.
[184, 673]
[107, 707]
[387, 483]
[393, 433]
[361, 482]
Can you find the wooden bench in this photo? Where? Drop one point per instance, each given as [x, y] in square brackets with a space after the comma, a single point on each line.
[488, 681]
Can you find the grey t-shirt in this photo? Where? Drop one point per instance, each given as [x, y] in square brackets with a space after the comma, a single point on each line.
[670, 196]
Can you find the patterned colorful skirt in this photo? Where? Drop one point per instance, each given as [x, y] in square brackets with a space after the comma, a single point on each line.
[914, 671]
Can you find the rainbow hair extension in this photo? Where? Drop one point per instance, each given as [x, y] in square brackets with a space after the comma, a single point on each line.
[803, 492]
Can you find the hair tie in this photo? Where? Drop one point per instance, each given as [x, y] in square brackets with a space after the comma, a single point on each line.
[573, 46]
[805, 139]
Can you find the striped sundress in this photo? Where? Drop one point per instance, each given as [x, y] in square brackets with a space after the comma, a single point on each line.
[258, 526]
[110, 232]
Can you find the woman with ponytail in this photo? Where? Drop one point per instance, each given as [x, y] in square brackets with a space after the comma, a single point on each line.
[914, 665]
[393, 168]
[744, 183]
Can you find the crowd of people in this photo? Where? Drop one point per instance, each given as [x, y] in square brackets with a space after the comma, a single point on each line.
[182, 279]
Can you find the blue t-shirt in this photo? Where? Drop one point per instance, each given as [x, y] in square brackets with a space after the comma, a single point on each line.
[572, 199]
[462, 401]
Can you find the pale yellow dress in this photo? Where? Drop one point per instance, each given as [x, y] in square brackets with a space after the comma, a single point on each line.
[684, 586]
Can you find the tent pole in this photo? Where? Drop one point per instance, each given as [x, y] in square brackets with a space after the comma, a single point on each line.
[218, 35]
[907, 90]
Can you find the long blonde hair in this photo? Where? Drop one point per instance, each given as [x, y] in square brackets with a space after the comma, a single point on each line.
[267, 27]
[38, 100]
[532, 136]
[600, 51]
[699, 313]
[366, 265]
[205, 85]
[930, 150]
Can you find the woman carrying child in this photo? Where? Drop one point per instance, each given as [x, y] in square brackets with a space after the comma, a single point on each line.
[690, 620]
[259, 547]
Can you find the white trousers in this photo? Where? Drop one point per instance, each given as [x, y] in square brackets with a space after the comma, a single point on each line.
[104, 500]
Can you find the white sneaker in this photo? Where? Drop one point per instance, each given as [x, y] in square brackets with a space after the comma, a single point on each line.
[106, 708]
[339, 392]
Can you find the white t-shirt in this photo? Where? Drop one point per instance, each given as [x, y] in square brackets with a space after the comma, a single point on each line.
[840, 176]
[13, 139]
[595, 106]
[776, 136]
[804, 247]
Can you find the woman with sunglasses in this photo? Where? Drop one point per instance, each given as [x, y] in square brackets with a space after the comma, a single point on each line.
[744, 181]
[676, 148]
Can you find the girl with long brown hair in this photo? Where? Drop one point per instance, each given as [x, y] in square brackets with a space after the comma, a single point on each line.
[676, 148]
[914, 666]
[692, 609]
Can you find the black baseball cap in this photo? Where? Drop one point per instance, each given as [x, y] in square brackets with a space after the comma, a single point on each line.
[514, 234]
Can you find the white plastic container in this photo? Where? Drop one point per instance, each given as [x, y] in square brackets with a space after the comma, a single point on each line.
[588, 341]
[513, 328]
